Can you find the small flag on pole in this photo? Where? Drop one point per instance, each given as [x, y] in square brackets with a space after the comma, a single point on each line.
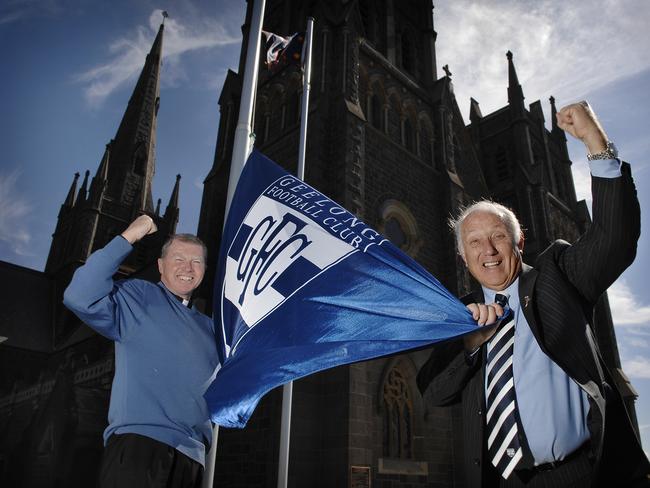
[303, 286]
[281, 51]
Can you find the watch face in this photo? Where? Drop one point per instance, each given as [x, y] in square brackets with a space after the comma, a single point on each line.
[613, 150]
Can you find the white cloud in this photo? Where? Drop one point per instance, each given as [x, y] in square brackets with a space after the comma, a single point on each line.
[128, 53]
[637, 367]
[554, 52]
[582, 181]
[626, 309]
[14, 211]
[638, 342]
[632, 321]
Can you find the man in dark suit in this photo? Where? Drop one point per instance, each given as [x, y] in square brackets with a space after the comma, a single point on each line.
[539, 406]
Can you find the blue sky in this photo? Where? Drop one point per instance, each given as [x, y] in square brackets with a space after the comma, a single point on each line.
[69, 67]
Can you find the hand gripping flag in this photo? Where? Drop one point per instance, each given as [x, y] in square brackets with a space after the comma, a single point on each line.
[303, 285]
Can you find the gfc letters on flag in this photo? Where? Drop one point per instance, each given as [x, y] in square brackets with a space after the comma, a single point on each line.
[303, 285]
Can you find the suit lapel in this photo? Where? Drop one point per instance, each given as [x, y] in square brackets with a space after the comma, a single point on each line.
[527, 280]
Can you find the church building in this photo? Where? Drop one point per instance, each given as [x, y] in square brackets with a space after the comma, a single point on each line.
[388, 142]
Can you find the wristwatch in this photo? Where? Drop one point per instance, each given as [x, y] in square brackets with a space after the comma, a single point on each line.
[610, 152]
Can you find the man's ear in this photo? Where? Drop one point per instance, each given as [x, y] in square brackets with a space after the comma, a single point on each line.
[520, 244]
[462, 255]
[160, 265]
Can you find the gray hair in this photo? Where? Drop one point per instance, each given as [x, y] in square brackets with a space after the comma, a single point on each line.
[190, 238]
[504, 214]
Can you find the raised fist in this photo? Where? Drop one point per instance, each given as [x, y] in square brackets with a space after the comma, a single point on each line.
[579, 120]
[140, 227]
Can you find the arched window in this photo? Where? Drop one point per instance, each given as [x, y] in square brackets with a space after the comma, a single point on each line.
[408, 136]
[394, 123]
[398, 416]
[394, 231]
[376, 115]
[425, 149]
[399, 226]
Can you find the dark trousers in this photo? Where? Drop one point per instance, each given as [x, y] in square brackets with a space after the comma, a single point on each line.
[135, 461]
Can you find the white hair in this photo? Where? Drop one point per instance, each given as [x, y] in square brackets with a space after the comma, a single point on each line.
[504, 214]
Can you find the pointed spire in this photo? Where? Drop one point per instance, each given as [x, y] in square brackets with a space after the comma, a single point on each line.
[157, 212]
[474, 110]
[554, 127]
[132, 151]
[102, 171]
[69, 200]
[156, 48]
[83, 191]
[515, 93]
[172, 207]
[98, 184]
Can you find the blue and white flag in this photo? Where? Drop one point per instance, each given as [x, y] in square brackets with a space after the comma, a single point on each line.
[303, 285]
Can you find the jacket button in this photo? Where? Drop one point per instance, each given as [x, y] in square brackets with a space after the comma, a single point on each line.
[479, 412]
[477, 461]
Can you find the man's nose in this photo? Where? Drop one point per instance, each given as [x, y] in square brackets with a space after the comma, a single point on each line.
[489, 248]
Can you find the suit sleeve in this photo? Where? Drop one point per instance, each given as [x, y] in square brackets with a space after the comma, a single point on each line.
[447, 372]
[92, 294]
[609, 246]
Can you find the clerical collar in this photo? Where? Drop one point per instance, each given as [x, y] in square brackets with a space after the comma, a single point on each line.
[184, 301]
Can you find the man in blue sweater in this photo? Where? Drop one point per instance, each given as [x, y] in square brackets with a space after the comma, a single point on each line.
[165, 358]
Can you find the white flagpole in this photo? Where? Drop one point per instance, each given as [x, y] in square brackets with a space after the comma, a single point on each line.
[306, 87]
[287, 389]
[242, 146]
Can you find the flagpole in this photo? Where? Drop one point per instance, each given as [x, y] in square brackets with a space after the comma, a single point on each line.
[287, 389]
[241, 149]
[243, 144]
[306, 87]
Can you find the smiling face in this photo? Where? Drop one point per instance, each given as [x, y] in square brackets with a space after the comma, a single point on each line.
[488, 250]
[182, 267]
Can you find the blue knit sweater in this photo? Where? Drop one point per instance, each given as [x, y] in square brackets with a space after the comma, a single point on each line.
[165, 353]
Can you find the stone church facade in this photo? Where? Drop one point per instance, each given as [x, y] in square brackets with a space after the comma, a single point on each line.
[386, 141]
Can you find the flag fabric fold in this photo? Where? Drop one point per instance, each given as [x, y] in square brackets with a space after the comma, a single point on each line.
[303, 286]
[281, 51]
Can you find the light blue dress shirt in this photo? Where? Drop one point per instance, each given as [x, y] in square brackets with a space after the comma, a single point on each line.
[552, 407]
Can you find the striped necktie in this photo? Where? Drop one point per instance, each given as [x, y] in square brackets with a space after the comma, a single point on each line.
[504, 448]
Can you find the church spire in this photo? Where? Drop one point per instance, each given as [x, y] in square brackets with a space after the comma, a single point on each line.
[171, 212]
[173, 200]
[98, 184]
[474, 110]
[69, 200]
[515, 92]
[133, 149]
[83, 191]
[555, 130]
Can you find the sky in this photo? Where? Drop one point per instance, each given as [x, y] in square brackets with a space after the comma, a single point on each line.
[69, 67]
